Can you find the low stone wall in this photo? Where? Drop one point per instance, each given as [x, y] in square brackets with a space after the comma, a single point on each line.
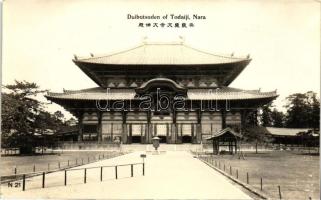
[89, 146]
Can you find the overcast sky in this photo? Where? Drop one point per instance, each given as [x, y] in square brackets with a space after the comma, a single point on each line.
[282, 37]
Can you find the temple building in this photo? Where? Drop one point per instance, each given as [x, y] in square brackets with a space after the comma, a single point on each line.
[173, 91]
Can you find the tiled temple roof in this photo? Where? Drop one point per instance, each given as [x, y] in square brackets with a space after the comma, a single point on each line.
[225, 93]
[222, 132]
[162, 54]
[94, 94]
[287, 131]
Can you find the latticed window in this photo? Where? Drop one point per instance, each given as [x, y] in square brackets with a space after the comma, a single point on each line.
[110, 131]
[206, 129]
[117, 129]
[187, 129]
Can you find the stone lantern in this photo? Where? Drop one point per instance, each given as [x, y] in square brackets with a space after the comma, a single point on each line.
[155, 141]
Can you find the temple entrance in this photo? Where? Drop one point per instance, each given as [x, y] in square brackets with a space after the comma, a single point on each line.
[186, 132]
[136, 133]
[136, 139]
[186, 139]
[162, 139]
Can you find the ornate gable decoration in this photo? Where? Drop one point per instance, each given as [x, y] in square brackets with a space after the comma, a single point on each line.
[162, 83]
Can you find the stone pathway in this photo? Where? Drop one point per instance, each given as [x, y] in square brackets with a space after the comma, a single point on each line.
[170, 175]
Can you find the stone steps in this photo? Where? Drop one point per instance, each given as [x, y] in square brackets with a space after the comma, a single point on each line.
[162, 147]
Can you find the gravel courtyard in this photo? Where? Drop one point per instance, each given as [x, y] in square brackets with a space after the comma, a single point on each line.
[169, 175]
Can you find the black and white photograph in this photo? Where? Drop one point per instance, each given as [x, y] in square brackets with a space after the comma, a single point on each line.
[182, 99]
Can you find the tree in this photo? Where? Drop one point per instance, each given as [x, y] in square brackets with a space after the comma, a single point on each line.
[297, 111]
[24, 119]
[314, 111]
[47, 124]
[277, 118]
[265, 117]
[19, 111]
[270, 116]
[57, 120]
[302, 110]
[257, 134]
[71, 122]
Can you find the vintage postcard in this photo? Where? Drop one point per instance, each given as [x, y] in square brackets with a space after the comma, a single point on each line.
[160, 99]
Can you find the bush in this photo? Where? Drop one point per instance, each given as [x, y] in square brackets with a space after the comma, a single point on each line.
[27, 150]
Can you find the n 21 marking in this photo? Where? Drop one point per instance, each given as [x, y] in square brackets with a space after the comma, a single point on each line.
[14, 184]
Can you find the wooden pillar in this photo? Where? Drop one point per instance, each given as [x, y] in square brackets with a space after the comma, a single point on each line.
[141, 133]
[174, 129]
[149, 128]
[192, 135]
[99, 128]
[213, 146]
[151, 131]
[155, 130]
[144, 139]
[255, 117]
[80, 126]
[124, 137]
[199, 127]
[223, 119]
[172, 136]
[130, 133]
[180, 135]
[146, 133]
[232, 146]
[167, 133]
[243, 117]
[176, 134]
[111, 132]
[198, 133]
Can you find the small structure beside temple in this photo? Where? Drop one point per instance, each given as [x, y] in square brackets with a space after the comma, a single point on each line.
[225, 138]
[295, 137]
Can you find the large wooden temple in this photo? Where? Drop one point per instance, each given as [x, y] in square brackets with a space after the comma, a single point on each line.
[172, 91]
